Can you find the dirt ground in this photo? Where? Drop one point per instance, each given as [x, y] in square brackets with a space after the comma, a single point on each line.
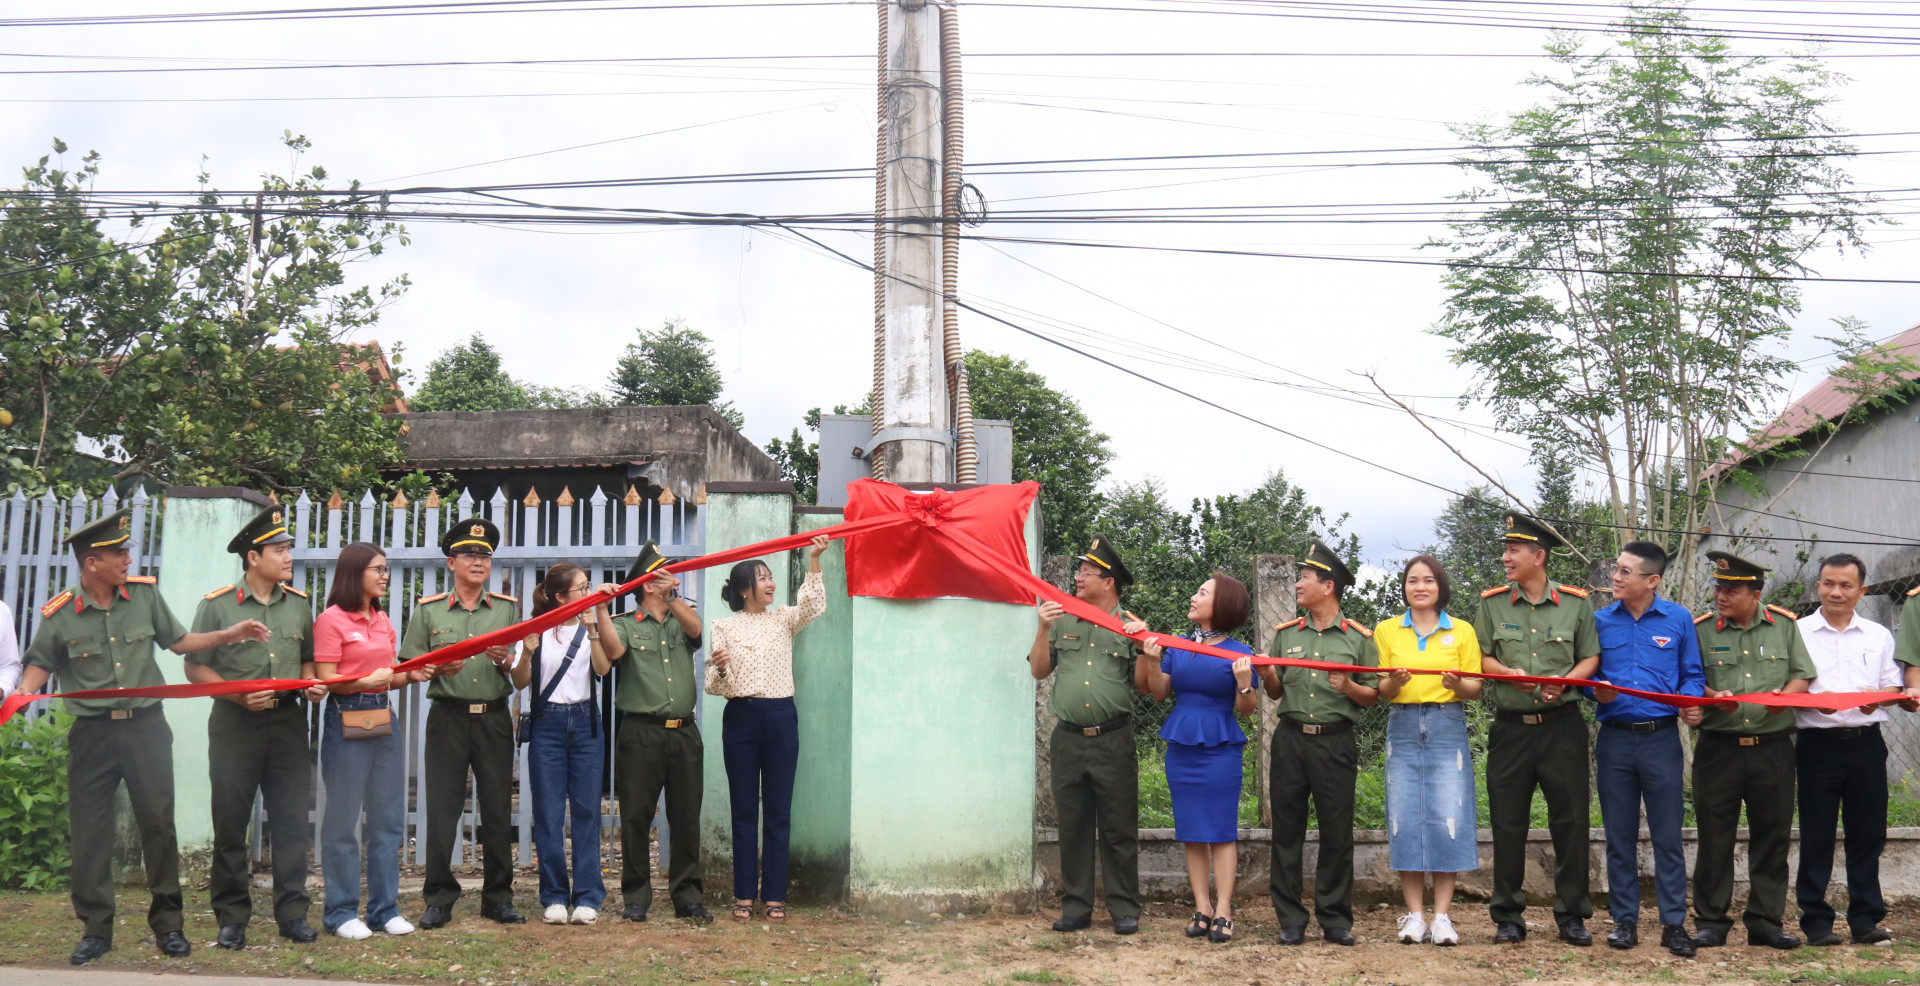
[830, 946]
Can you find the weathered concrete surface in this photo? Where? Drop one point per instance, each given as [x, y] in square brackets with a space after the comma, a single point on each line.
[1163, 873]
[823, 696]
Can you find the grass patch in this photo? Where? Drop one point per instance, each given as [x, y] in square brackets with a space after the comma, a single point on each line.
[1038, 976]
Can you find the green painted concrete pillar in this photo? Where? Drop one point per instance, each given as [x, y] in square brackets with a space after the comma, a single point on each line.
[823, 695]
[198, 523]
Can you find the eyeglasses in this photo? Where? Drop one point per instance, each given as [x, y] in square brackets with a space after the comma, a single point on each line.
[379, 569]
[582, 587]
[471, 556]
[1623, 572]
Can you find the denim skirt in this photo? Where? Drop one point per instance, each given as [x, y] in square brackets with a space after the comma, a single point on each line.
[1432, 808]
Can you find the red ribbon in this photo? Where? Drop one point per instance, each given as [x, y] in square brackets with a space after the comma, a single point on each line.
[958, 557]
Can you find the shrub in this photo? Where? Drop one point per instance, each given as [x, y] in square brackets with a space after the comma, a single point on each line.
[33, 802]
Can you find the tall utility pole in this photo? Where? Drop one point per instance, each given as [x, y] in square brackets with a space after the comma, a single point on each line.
[914, 436]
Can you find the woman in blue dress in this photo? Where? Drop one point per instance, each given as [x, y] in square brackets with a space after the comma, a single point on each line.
[1205, 743]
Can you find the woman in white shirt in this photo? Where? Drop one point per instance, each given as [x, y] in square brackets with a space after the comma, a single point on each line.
[752, 668]
[565, 755]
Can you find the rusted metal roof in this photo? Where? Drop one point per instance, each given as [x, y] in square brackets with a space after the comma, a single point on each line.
[493, 464]
[1825, 402]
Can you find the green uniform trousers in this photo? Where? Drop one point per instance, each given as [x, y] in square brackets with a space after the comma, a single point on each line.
[1725, 774]
[650, 759]
[265, 752]
[458, 741]
[1552, 756]
[1322, 768]
[102, 752]
[1096, 783]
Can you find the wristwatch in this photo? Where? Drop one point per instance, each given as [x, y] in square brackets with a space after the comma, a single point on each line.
[1247, 690]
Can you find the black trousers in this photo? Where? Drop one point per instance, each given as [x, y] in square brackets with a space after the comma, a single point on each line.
[1724, 775]
[1843, 774]
[459, 741]
[101, 753]
[1096, 788]
[265, 752]
[1321, 768]
[1551, 756]
[651, 759]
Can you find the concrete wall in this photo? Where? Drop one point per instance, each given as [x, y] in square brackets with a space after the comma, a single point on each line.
[194, 561]
[823, 694]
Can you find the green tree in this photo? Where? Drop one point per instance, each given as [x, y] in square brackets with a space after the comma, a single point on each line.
[1616, 282]
[799, 459]
[670, 367]
[468, 377]
[1054, 443]
[212, 350]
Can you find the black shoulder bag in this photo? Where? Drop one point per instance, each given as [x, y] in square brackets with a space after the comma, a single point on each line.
[539, 709]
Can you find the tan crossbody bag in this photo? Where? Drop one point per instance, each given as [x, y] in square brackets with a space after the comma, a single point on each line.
[366, 723]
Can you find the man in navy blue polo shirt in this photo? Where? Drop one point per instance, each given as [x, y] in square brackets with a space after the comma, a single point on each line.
[1646, 642]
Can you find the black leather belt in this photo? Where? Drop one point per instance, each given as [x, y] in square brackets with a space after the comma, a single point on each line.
[1536, 718]
[1747, 739]
[142, 711]
[1846, 732]
[683, 722]
[1315, 728]
[467, 707]
[1124, 722]
[1646, 726]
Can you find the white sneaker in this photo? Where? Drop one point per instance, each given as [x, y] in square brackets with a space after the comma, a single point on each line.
[1413, 929]
[398, 925]
[1441, 931]
[355, 929]
[585, 915]
[554, 914]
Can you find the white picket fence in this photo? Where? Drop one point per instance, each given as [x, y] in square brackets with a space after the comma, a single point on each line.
[601, 533]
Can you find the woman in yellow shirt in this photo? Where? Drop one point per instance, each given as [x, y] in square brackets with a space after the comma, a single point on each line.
[1432, 808]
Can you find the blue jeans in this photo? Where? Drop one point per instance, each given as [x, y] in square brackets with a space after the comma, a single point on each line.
[369, 774]
[564, 759]
[1632, 769]
[761, 745]
[1432, 807]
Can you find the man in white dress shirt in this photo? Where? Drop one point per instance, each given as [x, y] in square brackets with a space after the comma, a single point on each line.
[9, 652]
[1841, 758]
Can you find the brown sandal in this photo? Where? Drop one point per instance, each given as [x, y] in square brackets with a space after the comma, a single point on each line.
[743, 912]
[776, 912]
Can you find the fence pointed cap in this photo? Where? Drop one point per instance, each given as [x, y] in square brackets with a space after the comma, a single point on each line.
[432, 501]
[532, 500]
[632, 499]
[400, 500]
[565, 499]
[334, 502]
[666, 497]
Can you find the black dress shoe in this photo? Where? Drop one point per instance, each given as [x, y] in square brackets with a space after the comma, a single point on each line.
[634, 912]
[299, 932]
[1773, 938]
[1338, 936]
[1295, 934]
[1873, 937]
[232, 936]
[502, 913]
[91, 947]
[174, 945]
[1575, 932]
[1715, 937]
[693, 912]
[1823, 939]
[1674, 938]
[1625, 935]
[1080, 923]
[435, 917]
[1126, 926]
[1509, 933]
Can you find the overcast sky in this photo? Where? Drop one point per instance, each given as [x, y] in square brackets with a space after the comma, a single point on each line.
[792, 325]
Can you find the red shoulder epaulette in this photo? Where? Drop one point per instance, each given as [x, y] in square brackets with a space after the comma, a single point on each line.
[1296, 621]
[298, 592]
[217, 593]
[1915, 591]
[1574, 590]
[1496, 590]
[1783, 611]
[501, 595]
[144, 579]
[1702, 618]
[436, 597]
[1365, 631]
[53, 605]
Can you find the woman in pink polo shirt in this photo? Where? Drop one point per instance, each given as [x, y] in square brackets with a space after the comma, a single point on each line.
[362, 748]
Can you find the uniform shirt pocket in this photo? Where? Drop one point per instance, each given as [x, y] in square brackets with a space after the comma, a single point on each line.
[85, 645]
[139, 633]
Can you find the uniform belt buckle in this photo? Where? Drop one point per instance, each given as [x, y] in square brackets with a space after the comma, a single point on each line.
[477, 708]
[1534, 719]
[1312, 730]
[1090, 730]
[120, 713]
[672, 723]
[1749, 741]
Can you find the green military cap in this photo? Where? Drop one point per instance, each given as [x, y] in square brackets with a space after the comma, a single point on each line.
[649, 560]
[110, 531]
[1322, 557]
[1520, 527]
[1102, 555]
[1733, 568]
[269, 526]
[474, 535]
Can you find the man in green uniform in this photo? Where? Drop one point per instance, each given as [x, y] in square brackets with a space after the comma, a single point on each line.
[656, 687]
[1096, 779]
[468, 727]
[1314, 753]
[1906, 650]
[1745, 753]
[1538, 738]
[258, 741]
[102, 635]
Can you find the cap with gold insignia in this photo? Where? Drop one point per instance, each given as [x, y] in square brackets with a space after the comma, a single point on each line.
[1520, 527]
[1733, 568]
[1321, 557]
[110, 531]
[473, 535]
[269, 526]
[649, 560]
[1103, 557]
